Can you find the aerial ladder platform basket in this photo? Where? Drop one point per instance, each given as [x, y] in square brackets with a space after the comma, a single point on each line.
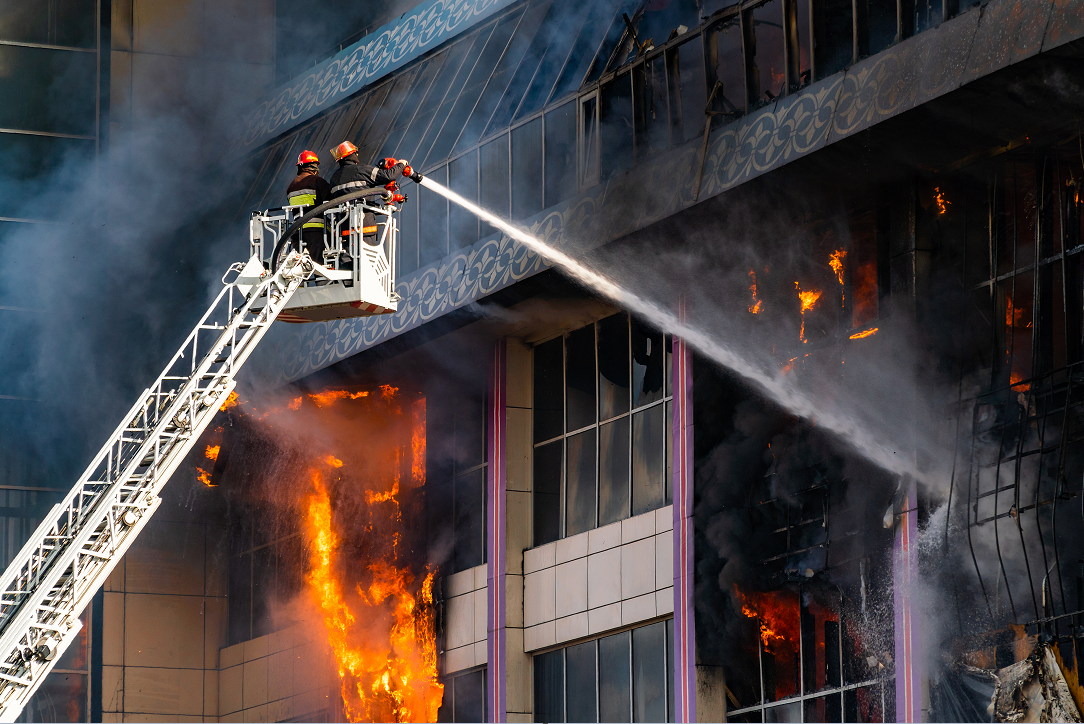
[67, 559]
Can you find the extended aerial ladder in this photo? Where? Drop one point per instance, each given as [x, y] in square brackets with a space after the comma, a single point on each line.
[50, 582]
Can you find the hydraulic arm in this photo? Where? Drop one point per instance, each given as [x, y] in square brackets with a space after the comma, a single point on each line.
[70, 555]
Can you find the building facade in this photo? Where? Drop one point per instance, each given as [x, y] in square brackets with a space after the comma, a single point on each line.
[844, 484]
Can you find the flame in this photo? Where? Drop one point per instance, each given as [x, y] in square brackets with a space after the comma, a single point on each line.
[231, 401]
[380, 681]
[1015, 317]
[212, 452]
[808, 300]
[295, 404]
[864, 333]
[777, 614]
[939, 199]
[333, 461]
[204, 477]
[754, 308]
[835, 260]
[417, 442]
[330, 397]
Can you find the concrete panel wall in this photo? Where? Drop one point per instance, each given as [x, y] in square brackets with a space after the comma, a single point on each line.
[285, 675]
[163, 624]
[590, 583]
[465, 620]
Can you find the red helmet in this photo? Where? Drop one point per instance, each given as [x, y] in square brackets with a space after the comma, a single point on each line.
[343, 150]
[307, 157]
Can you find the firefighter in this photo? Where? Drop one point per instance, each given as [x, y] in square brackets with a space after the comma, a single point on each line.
[352, 176]
[308, 189]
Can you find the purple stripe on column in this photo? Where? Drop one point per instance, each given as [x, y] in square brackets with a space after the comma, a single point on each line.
[496, 681]
[684, 633]
[905, 573]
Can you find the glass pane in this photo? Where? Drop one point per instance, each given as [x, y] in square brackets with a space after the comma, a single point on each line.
[417, 107]
[776, 613]
[580, 683]
[613, 471]
[687, 93]
[549, 410]
[549, 687]
[60, 22]
[668, 367]
[882, 25]
[587, 43]
[470, 424]
[470, 513]
[580, 377]
[408, 233]
[613, 366]
[263, 589]
[741, 669]
[559, 38]
[589, 143]
[649, 673]
[864, 291]
[537, 30]
[32, 161]
[668, 436]
[824, 709]
[863, 705]
[580, 485]
[800, 11]
[833, 50]
[784, 713]
[820, 641]
[470, 697]
[670, 716]
[647, 364]
[648, 447]
[652, 112]
[433, 215]
[729, 66]
[615, 125]
[468, 97]
[560, 154]
[547, 493]
[768, 68]
[450, 91]
[463, 179]
[503, 76]
[614, 679]
[527, 170]
[495, 194]
[47, 90]
[62, 697]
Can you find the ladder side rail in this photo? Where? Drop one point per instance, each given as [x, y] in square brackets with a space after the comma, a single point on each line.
[96, 548]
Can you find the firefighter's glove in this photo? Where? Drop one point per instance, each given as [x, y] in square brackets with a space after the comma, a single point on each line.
[391, 186]
[389, 163]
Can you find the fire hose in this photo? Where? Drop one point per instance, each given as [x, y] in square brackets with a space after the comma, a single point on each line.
[316, 210]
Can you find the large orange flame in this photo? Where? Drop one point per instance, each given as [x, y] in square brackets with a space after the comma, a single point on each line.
[835, 260]
[231, 401]
[330, 397]
[776, 613]
[381, 680]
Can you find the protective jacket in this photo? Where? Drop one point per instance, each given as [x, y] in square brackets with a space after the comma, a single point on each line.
[352, 176]
[309, 190]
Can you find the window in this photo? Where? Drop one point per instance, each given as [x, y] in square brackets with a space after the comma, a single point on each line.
[767, 71]
[433, 220]
[265, 569]
[456, 480]
[526, 168]
[728, 62]
[688, 97]
[615, 126]
[494, 181]
[833, 36]
[624, 677]
[463, 179]
[589, 159]
[601, 409]
[464, 698]
[560, 154]
[651, 107]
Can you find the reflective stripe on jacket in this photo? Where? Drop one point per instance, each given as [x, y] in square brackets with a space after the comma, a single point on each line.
[309, 190]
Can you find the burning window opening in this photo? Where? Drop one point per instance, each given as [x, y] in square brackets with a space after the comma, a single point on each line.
[835, 260]
[940, 200]
[807, 300]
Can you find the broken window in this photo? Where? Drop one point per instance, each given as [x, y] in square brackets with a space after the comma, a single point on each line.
[864, 288]
[589, 143]
[651, 107]
[616, 126]
[799, 43]
[688, 99]
[728, 63]
[765, 40]
[833, 36]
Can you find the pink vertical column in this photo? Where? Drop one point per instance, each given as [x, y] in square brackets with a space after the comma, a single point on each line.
[496, 681]
[684, 631]
[905, 575]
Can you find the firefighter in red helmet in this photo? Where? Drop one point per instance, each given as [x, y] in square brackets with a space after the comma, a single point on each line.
[352, 176]
[308, 189]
